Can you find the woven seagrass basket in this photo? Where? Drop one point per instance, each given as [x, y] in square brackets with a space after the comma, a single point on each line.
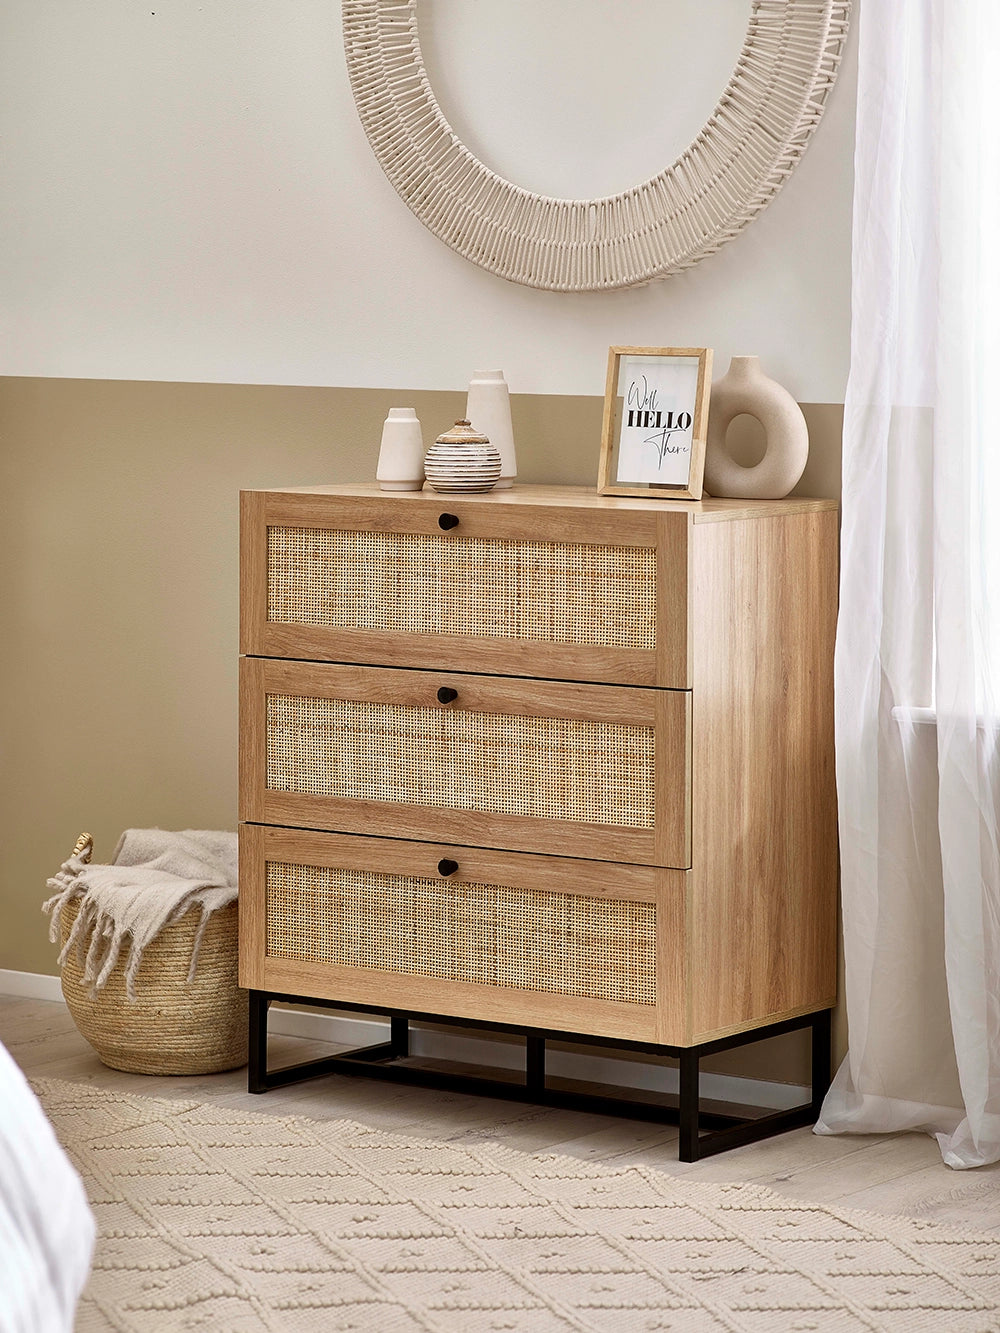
[174, 1026]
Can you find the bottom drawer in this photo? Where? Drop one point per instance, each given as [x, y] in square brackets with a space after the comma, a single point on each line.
[545, 941]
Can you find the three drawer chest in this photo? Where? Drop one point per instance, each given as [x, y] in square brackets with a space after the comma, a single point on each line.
[542, 761]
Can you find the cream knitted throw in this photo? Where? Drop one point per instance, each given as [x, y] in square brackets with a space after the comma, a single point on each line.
[154, 878]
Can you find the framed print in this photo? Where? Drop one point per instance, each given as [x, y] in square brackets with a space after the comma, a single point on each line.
[655, 422]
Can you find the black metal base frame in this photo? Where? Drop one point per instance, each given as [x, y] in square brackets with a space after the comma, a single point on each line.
[704, 1130]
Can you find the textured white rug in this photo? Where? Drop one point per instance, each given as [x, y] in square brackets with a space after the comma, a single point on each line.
[239, 1222]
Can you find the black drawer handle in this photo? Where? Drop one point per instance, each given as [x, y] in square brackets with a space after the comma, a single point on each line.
[448, 521]
[446, 694]
[446, 867]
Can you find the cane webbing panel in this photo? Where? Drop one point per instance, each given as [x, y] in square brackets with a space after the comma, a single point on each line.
[488, 933]
[495, 763]
[488, 587]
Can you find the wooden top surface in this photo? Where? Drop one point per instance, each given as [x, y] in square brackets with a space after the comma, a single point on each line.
[708, 510]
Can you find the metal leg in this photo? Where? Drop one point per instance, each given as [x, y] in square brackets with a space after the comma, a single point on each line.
[534, 1064]
[694, 1145]
[822, 1053]
[704, 1130]
[399, 1034]
[688, 1110]
[257, 1064]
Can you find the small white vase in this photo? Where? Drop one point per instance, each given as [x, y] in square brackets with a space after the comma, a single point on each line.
[746, 389]
[401, 453]
[462, 461]
[488, 408]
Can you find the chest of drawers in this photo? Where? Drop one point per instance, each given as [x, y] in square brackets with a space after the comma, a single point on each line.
[541, 759]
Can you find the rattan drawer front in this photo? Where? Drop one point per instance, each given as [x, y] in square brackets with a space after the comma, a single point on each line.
[489, 934]
[589, 770]
[566, 944]
[413, 584]
[484, 583]
[543, 767]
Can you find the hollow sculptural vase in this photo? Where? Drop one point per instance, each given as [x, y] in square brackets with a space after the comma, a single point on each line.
[745, 389]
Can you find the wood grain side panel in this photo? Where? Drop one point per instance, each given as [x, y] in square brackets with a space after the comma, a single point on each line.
[763, 792]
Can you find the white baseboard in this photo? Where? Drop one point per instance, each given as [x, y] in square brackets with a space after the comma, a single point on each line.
[340, 1030]
[30, 985]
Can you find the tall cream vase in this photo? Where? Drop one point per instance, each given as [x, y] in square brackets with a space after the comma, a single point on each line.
[488, 408]
[745, 389]
[401, 452]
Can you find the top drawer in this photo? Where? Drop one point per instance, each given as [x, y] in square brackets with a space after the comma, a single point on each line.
[482, 584]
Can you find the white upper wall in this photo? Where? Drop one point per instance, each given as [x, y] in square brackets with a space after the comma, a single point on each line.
[188, 195]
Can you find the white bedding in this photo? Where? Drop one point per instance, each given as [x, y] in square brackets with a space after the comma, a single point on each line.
[46, 1226]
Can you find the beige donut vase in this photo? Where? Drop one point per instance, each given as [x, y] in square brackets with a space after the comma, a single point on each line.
[746, 389]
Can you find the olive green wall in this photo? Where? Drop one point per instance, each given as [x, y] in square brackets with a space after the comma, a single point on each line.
[119, 596]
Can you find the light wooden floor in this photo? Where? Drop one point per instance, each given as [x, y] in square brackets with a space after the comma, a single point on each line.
[900, 1174]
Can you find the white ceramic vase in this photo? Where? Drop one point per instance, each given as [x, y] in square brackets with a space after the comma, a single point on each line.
[401, 453]
[462, 461]
[746, 389]
[488, 408]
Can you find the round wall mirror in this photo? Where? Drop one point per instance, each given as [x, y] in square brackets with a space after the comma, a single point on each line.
[589, 206]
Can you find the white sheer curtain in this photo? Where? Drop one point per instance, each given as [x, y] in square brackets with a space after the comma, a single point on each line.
[918, 651]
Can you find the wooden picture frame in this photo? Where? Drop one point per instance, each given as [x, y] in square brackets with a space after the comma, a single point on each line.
[655, 422]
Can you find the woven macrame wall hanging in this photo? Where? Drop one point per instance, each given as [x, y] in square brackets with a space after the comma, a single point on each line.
[751, 143]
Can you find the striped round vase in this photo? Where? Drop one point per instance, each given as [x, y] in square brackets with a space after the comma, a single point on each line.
[462, 462]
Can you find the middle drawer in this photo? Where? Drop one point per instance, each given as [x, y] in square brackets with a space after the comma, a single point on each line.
[597, 771]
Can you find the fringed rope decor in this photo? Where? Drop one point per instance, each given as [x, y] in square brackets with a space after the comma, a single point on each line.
[739, 161]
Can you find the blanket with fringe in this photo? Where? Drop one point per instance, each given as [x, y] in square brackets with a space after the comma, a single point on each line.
[154, 878]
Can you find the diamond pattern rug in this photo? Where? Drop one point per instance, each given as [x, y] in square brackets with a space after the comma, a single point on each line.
[240, 1222]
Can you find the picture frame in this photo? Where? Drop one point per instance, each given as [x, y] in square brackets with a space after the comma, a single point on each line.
[655, 422]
